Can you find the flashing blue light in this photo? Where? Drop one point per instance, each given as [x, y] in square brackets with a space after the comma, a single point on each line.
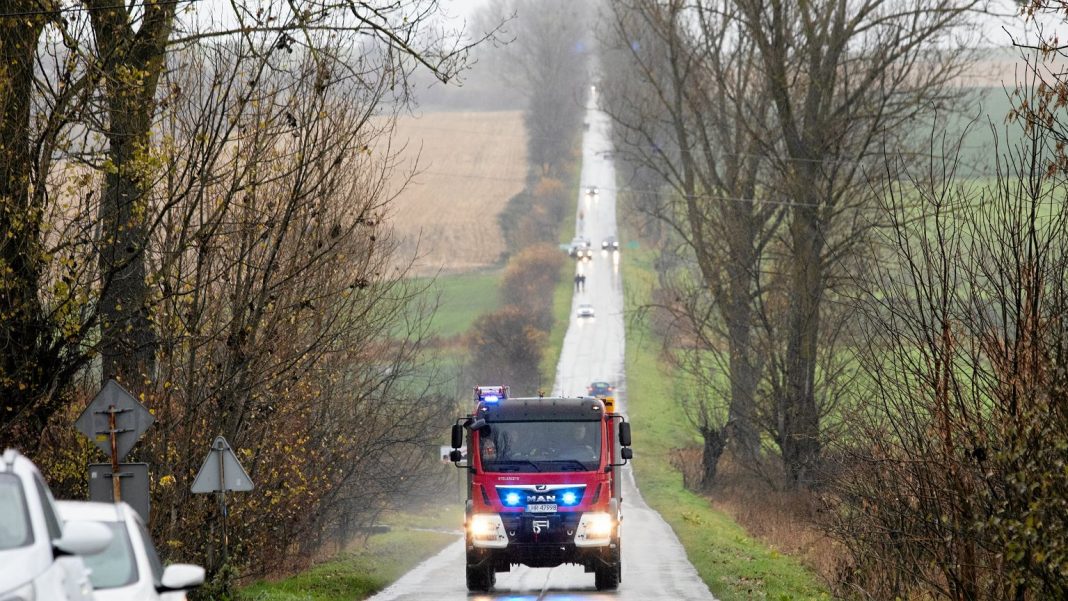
[491, 394]
[569, 498]
[512, 499]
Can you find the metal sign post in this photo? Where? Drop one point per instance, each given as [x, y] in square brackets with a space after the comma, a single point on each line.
[220, 472]
[218, 448]
[116, 484]
[114, 421]
[133, 482]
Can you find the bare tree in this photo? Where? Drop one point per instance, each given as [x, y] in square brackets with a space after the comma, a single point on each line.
[21, 333]
[844, 80]
[98, 72]
[240, 246]
[953, 485]
[545, 59]
[687, 102]
[47, 321]
[284, 323]
[132, 45]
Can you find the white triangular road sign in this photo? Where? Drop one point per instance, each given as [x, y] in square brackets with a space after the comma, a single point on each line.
[233, 477]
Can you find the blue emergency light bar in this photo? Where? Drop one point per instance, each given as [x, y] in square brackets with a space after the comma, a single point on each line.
[490, 394]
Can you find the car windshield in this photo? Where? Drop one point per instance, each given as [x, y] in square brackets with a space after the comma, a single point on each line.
[540, 446]
[150, 551]
[115, 566]
[15, 529]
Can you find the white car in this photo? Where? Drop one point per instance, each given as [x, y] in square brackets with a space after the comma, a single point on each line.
[580, 249]
[39, 553]
[584, 310]
[129, 569]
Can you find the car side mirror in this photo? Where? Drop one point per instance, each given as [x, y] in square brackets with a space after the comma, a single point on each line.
[626, 453]
[83, 538]
[476, 424]
[457, 436]
[456, 455]
[624, 434]
[180, 577]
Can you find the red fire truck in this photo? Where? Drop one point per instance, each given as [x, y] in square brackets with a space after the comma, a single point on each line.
[543, 484]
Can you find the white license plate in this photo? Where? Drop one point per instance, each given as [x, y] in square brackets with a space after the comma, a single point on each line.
[542, 508]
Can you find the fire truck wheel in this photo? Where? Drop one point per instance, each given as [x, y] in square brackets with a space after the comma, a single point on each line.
[480, 578]
[607, 576]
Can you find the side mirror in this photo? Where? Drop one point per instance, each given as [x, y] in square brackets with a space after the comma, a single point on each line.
[624, 434]
[83, 538]
[476, 424]
[456, 455]
[626, 453]
[181, 576]
[457, 436]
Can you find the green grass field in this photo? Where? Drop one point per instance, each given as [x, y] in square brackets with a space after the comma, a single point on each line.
[462, 298]
[735, 566]
[982, 124]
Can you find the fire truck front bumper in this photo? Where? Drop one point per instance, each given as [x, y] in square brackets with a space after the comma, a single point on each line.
[539, 540]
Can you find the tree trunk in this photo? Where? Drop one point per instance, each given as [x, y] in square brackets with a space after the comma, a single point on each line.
[737, 313]
[132, 64]
[800, 418]
[715, 441]
[23, 331]
[127, 343]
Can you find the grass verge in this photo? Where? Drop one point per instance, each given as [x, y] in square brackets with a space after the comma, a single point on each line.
[561, 320]
[367, 567]
[563, 292]
[734, 565]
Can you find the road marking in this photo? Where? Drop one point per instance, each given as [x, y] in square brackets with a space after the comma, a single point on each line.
[545, 587]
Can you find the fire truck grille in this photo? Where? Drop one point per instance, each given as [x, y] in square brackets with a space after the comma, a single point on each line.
[541, 529]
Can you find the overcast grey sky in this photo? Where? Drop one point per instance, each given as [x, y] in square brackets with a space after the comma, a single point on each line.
[219, 12]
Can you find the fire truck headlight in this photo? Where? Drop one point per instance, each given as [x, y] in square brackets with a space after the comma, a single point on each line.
[595, 529]
[487, 530]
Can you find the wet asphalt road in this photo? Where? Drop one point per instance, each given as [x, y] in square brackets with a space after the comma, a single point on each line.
[654, 563]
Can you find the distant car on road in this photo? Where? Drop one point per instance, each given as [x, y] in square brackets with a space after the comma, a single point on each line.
[584, 311]
[41, 554]
[592, 192]
[580, 249]
[610, 243]
[129, 569]
[600, 389]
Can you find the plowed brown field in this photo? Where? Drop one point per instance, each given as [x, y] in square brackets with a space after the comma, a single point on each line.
[468, 165]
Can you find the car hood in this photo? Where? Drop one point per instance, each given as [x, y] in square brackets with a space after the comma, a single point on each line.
[20, 566]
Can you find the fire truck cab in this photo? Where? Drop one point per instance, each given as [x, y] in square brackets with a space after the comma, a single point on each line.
[543, 484]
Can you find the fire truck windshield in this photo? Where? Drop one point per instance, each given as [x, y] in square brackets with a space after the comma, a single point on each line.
[540, 446]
